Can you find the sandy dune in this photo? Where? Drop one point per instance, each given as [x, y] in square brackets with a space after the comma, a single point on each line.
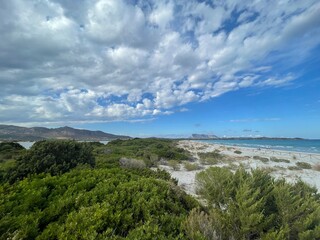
[248, 159]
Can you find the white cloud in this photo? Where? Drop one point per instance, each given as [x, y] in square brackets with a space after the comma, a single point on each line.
[162, 14]
[107, 60]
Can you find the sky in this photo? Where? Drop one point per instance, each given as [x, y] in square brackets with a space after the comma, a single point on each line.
[162, 68]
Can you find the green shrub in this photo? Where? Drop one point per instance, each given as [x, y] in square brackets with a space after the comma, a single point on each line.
[174, 164]
[304, 165]
[10, 146]
[199, 225]
[237, 152]
[210, 157]
[54, 157]
[191, 166]
[262, 159]
[294, 168]
[94, 204]
[150, 150]
[254, 205]
[274, 159]
[132, 163]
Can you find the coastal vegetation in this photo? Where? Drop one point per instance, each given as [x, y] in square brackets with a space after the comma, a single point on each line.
[209, 158]
[274, 159]
[191, 166]
[254, 205]
[59, 192]
[304, 165]
[262, 159]
[63, 189]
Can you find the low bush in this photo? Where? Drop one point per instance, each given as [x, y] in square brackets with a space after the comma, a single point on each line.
[191, 166]
[237, 152]
[132, 163]
[274, 159]
[294, 168]
[262, 159]
[174, 164]
[209, 158]
[304, 165]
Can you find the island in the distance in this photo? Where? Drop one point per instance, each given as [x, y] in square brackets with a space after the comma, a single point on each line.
[197, 136]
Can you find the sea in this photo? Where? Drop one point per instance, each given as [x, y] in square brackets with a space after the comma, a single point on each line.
[296, 145]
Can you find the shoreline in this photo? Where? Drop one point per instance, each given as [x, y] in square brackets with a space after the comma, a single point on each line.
[261, 149]
[279, 164]
[257, 147]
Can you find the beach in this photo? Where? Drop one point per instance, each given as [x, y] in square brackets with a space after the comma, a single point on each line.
[289, 165]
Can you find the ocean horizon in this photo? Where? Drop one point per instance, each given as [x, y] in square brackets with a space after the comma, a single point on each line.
[295, 145]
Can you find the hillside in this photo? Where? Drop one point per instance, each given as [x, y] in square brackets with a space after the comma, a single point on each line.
[9, 132]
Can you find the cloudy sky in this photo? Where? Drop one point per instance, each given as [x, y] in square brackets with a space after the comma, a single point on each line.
[164, 68]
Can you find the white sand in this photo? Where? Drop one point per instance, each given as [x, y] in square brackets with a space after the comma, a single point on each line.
[186, 179]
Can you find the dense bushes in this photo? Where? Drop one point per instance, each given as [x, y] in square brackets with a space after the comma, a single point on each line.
[149, 150]
[255, 206]
[9, 152]
[63, 195]
[94, 204]
[54, 157]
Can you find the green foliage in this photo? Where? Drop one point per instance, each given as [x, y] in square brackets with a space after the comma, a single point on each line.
[304, 165]
[132, 163]
[150, 150]
[94, 204]
[54, 157]
[262, 159]
[199, 226]
[174, 164]
[210, 157]
[10, 146]
[191, 166]
[237, 152]
[293, 168]
[253, 205]
[9, 152]
[274, 159]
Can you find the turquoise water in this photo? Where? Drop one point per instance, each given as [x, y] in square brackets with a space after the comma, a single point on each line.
[311, 146]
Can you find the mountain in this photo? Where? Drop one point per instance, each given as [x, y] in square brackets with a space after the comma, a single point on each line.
[9, 132]
[203, 136]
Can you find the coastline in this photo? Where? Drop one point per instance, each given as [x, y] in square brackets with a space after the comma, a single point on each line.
[270, 144]
[280, 164]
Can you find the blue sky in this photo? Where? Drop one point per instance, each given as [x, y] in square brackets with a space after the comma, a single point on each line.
[162, 68]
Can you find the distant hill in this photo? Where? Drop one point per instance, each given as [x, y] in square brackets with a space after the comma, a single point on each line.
[9, 132]
[203, 136]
